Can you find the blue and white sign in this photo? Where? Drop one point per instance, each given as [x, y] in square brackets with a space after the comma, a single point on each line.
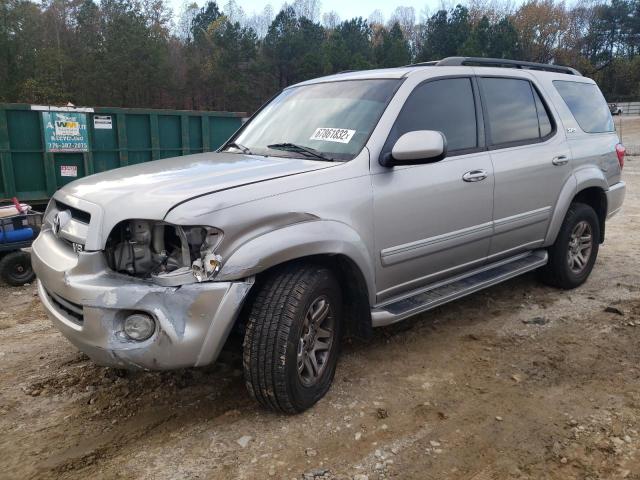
[65, 131]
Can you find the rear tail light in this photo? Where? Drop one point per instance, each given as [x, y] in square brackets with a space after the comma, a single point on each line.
[620, 151]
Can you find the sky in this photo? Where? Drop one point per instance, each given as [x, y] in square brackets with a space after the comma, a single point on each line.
[346, 8]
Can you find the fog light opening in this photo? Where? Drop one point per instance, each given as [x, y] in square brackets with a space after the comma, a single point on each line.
[139, 326]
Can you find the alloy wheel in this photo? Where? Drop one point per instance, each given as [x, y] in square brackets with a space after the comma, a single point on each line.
[316, 341]
[580, 247]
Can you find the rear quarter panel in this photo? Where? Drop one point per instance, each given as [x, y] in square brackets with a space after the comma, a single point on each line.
[587, 149]
[593, 159]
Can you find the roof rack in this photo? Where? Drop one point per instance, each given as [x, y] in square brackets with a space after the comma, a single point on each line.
[498, 62]
[425, 64]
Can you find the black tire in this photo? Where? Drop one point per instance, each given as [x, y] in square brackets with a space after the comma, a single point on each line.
[276, 322]
[15, 268]
[559, 272]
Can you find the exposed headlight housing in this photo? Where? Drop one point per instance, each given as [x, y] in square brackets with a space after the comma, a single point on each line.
[167, 254]
[206, 267]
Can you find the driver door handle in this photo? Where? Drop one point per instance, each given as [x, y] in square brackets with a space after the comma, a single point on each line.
[474, 176]
[560, 160]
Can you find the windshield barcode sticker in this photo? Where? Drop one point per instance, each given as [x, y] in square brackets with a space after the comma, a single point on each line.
[340, 135]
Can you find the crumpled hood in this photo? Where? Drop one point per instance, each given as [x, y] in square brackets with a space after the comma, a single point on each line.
[149, 190]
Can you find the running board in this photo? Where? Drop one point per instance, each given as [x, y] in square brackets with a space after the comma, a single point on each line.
[457, 287]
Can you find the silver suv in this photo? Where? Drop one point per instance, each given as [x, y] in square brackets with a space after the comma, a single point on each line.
[347, 202]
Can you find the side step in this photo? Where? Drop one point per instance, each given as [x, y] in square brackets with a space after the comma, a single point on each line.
[457, 287]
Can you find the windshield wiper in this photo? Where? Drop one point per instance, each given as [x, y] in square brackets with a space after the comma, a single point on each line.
[240, 147]
[294, 147]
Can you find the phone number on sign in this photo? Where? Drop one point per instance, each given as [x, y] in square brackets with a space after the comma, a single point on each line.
[65, 147]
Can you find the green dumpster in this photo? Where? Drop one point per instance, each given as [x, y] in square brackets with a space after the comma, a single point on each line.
[44, 147]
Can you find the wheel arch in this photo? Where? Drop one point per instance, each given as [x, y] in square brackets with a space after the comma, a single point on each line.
[596, 198]
[587, 186]
[327, 243]
[357, 312]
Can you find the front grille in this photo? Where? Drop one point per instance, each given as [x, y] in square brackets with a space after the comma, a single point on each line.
[71, 310]
[76, 214]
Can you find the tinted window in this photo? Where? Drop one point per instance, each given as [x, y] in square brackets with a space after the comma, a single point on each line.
[587, 105]
[543, 116]
[444, 105]
[511, 110]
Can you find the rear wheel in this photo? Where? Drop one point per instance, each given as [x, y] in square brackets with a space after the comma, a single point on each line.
[292, 338]
[572, 256]
[15, 268]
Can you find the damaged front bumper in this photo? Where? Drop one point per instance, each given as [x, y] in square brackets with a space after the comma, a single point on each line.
[89, 303]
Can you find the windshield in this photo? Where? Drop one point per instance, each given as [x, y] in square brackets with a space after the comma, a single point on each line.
[324, 121]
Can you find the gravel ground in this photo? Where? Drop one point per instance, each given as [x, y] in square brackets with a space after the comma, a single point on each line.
[519, 381]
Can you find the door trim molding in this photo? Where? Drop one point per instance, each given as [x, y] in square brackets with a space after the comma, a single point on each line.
[428, 246]
[508, 224]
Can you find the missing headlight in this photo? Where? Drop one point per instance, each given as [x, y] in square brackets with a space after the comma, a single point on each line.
[160, 251]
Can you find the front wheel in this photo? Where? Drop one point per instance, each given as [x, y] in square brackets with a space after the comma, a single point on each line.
[572, 256]
[292, 338]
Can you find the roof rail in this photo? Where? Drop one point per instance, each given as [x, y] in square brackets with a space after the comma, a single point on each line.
[503, 62]
[424, 64]
[497, 62]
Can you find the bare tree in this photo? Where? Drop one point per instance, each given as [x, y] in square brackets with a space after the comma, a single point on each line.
[260, 22]
[494, 10]
[330, 20]
[183, 26]
[308, 8]
[406, 18]
[234, 12]
[376, 17]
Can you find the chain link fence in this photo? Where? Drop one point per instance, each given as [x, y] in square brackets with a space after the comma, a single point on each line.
[628, 128]
[629, 108]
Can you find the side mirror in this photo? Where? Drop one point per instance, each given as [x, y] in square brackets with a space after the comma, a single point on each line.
[414, 148]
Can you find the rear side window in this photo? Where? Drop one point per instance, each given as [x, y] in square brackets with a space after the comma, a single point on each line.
[587, 105]
[543, 116]
[445, 105]
[515, 112]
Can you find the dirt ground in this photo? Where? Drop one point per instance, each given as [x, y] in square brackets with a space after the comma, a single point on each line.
[520, 381]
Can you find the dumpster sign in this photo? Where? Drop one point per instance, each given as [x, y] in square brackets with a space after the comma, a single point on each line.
[102, 122]
[68, 170]
[65, 131]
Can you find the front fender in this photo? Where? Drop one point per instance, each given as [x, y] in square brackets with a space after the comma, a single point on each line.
[322, 237]
[581, 179]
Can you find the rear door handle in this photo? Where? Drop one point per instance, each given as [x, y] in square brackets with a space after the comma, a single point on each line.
[474, 176]
[560, 160]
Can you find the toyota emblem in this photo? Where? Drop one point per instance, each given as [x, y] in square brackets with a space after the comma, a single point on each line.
[56, 224]
[60, 219]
